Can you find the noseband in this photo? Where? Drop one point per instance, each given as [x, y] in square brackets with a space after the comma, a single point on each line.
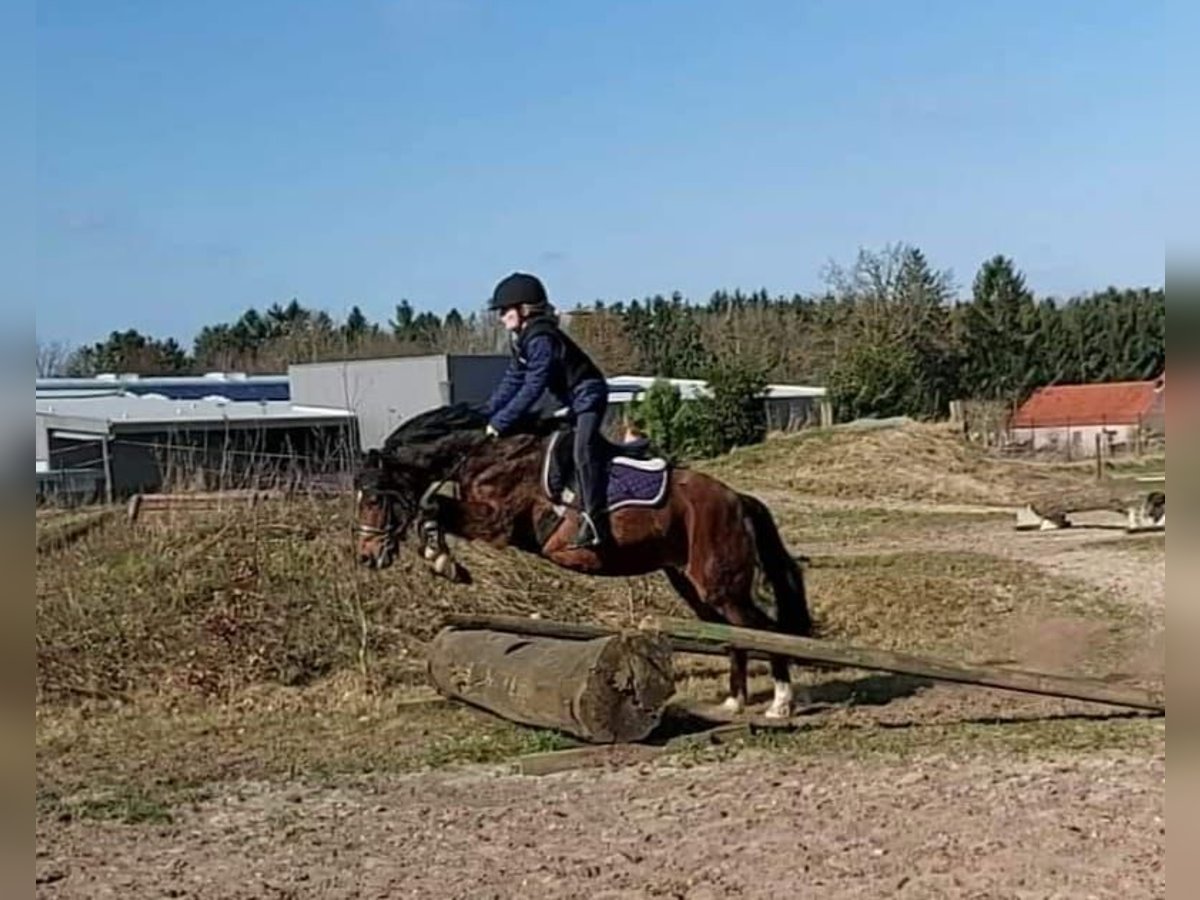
[390, 527]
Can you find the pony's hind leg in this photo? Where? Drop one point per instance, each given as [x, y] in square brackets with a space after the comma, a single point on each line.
[735, 702]
[746, 615]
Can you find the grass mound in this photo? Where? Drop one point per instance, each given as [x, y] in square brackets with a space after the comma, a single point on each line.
[217, 603]
[912, 461]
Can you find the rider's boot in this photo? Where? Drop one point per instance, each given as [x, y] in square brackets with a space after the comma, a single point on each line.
[588, 534]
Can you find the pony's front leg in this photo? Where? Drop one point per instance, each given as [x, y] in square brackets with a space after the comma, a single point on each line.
[470, 520]
[433, 541]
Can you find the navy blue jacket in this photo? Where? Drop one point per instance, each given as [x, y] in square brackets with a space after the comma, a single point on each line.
[544, 359]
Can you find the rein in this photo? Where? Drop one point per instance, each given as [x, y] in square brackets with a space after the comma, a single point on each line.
[391, 528]
[451, 474]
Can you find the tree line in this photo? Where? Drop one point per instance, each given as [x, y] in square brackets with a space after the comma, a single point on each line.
[888, 336]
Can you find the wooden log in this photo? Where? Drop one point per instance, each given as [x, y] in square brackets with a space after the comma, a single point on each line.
[201, 500]
[604, 690]
[572, 631]
[1055, 506]
[810, 650]
[58, 536]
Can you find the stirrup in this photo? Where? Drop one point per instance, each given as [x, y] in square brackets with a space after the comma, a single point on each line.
[586, 535]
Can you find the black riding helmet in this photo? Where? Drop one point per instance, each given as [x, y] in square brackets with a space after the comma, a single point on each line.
[519, 289]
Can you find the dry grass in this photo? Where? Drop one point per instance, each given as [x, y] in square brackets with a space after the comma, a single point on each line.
[136, 761]
[914, 461]
[964, 606]
[958, 740]
[808, 523]
[214, 603]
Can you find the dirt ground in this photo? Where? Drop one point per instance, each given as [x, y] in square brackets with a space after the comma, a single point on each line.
[891, 787]
[757, 826]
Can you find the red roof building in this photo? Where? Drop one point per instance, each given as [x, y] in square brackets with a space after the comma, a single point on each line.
[1081, 405]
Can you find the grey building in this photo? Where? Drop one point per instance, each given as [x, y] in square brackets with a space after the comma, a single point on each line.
[90, 448]
[382, 393]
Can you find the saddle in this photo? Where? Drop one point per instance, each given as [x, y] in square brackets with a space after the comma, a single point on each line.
[632, 475]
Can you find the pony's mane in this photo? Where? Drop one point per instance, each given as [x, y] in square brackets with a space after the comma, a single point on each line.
[435, 425]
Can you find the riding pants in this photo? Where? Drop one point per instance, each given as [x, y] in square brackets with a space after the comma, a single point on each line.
[589, 459]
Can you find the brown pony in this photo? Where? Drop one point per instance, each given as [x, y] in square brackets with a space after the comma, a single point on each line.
[709, 540]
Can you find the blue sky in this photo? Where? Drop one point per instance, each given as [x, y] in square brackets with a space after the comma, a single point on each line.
[195, 159]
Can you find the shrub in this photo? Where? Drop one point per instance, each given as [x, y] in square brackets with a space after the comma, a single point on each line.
[729, 414]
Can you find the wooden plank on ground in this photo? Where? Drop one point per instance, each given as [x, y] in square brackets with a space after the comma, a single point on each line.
[572, 758]
[59, 535]
[820, 651]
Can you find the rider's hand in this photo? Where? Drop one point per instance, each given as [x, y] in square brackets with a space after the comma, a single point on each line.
[491, 431]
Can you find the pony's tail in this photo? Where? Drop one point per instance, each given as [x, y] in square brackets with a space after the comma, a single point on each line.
[781, 570]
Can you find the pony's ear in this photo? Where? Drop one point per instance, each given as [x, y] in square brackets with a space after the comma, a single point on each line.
[373, 459]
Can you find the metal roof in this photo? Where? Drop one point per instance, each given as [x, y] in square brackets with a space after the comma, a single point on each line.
[112, 379]
[626, 387]
[1106, 403]
[133, 410]
[233, 385]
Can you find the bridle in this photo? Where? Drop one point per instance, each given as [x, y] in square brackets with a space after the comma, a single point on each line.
[391, 528]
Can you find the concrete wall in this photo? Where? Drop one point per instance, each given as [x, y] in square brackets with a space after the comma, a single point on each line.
[41, 442]
[385, 392]
[1079, 441]
[381, 392]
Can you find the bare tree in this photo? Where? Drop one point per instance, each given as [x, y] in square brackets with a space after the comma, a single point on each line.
[51, 358]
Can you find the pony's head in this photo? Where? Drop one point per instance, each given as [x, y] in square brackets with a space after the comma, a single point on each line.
[390, 481]
[394, 483]
[386, 508]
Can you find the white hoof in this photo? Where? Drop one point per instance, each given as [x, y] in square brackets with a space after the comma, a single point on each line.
[430, 552]
[733, 705]
[781, 706]
[444, 565]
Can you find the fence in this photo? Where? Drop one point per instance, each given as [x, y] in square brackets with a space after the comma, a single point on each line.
[69, 487]
[988, 423]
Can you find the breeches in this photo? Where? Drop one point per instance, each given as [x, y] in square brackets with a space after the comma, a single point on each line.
[589, 464]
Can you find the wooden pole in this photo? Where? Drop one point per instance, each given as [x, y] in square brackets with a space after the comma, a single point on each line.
[826, 414]
[108, 475]
[810, 650]
[604, 690]
[569, 631]
[687, 636]
[56, 537]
